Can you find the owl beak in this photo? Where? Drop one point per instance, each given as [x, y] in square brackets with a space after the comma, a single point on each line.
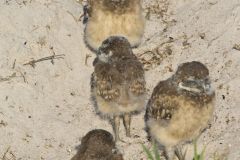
[207, 87]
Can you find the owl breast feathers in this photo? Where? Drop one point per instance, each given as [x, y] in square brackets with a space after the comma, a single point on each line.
[114, 19]
[173, 117]
[119, 86]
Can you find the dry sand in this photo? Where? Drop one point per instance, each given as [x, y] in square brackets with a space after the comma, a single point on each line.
[44, 111]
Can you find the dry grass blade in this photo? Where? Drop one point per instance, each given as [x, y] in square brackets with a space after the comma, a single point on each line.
[8, 78]
[51, 58]
[86, 58]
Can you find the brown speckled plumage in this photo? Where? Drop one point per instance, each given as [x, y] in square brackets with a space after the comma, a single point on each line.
[113, 18]
[97, 145]
[113, 6]
[180, 107]
[118, 84]
[123, 73]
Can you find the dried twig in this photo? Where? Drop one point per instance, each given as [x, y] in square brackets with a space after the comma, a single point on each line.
[14, 63]
[33, 62]
[2, 123]
[34, 29]
[23, 76]
[81, 16]
[8, 78]
[75, 19]
[86, 58]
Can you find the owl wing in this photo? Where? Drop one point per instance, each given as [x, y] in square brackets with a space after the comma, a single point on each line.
[105, 81]
[162, 104]
[133, 74]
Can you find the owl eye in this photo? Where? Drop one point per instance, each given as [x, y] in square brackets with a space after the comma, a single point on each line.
[106, 42]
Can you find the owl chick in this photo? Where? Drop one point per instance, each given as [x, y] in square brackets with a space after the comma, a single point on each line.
[97, 144]
[180, 107]
[118, 83]
[107, 18]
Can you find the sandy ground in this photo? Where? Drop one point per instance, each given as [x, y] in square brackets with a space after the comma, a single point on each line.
[45, 110]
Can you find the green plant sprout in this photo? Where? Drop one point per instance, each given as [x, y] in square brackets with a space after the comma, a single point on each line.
[152, 156]
[196, 155]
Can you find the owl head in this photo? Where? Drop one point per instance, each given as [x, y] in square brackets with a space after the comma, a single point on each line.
[114, 48]
[98, 144]
[193, 77]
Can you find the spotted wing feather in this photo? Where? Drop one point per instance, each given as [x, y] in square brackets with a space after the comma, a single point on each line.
[161, 106]
[133, 73]
[105, 80]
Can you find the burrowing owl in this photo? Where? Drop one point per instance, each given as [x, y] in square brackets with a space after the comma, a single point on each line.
[118, 84]
[113, 18]
[180, 107]
[98, 145]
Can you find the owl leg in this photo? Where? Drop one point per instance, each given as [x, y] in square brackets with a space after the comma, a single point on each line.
[179, 153]
[168, 153]
[116, 127]
[127, 123]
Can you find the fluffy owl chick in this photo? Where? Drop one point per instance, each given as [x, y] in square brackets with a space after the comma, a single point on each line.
[180, 107]
[118, 84]
[97, 144]
[113, 18]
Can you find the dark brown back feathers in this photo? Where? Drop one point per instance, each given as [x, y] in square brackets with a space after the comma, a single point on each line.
[97, 145]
